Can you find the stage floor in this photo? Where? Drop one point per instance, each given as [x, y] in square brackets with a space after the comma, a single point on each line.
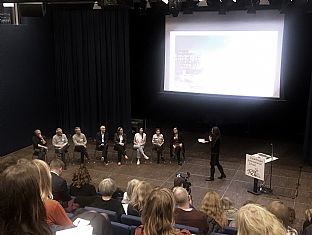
[235, 186]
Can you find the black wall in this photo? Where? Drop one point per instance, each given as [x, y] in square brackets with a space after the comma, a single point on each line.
[239, 116]
[27, 99]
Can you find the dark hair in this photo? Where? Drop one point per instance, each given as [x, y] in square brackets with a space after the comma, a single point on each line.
[216, 132]
[6, 162]
[56, 164]
[119, 128]
[81, 176]
[22, 210]
[157, 129]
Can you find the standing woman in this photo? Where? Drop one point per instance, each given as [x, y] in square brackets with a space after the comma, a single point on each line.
[214, 139]
[120, 144]
[176, 145]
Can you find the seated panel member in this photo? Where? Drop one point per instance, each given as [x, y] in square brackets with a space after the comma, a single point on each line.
[102, 142]
[80, 142]
[158, 144]
[177, 145]
[120, 144]
[60, 143]
[39, 142]
[139, 142]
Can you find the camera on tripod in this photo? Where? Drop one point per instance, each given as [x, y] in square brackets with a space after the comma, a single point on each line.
[183, 180]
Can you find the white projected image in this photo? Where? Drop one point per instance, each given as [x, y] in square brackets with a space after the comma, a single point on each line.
[231, 62]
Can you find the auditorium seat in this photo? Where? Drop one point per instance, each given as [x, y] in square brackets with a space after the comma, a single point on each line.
[120, 229]
[230, 230]
[131, 220]
[217, 234]
[193, 230]
[112, 215]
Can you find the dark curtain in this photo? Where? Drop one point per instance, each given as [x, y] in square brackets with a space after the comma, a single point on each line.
[308, 130]
[92, 69]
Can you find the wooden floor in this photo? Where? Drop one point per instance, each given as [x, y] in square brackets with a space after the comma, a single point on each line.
[236, 184]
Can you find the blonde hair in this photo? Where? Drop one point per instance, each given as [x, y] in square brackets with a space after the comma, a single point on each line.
[211, 206]
[139, 194]
[107, 187]
[253, 219]
[308, 214]
[45, 183]
[281, 212]
[157, 214]
[130, 186]
[226, 203]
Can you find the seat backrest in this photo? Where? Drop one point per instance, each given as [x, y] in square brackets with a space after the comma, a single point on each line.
[230, 230]
[131, 220]
[100, 222]
[193, 230]
[111, 214]
[133, 229]
[217, 234]
[120, 229]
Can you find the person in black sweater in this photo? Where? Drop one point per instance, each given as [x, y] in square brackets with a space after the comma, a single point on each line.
[102, 142]
[81, 183]
[39, 142]
[120, 144]
[214, 139]
[177, 145]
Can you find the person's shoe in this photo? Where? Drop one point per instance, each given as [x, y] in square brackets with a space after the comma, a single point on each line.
[180, 163]
[119, 163]
[146, 157]
[162, 158]
[106, 163]
[210, 179]
[126, 157]
[138, 162]
[222, 177]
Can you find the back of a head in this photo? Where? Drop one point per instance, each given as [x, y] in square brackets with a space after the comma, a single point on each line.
[6, 162]
[56, 164]
[45, 183]
[107, 187]
[81, 176]
[281, 211]
[178, 182]
[157, 214]
[308, 214]
[131, 184]
[211, 206]
[22, 210]
[226, 203]
[140, 193]
[253, 219]
[181, 196]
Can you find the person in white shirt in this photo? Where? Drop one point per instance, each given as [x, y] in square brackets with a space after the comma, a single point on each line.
[158, 142]
[80, 143]
[60, 143]
[139, 142]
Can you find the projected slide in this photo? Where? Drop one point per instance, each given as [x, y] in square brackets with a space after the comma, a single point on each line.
[229, 62]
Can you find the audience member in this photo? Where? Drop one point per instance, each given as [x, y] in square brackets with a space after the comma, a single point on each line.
[308, 218]
[6, 162]
[281, 211]
[228, 208]
[80, 143]
[185, 214]
[139, 142]
[127, 195]
[138, 198]
[120, 141]
[60, 143]
[81, 185]
[292, 215]
[56, 214]
[253, 219]
[39, 142]
[102, 143]
[22, 211]
[307, 230]
[59, 185]
[158, 216]
[211, 206]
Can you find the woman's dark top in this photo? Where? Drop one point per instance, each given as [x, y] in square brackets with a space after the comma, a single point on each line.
[84, 190]
[175, 141]
[214, 227]
[215, 146]
[133, 211]
[117, 139]
[111, 205]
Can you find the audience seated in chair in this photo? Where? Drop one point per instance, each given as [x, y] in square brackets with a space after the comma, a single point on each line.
[229, 210]
[59, 185]
[106, 188]
[281, 211]
[211, 206]
[102, 143]
[158, 216]
[138, 197]
[308, 218]
[56, 214]
[21, 208]
[130, 186]
[39, 142]
[60, 143]
[253, 219]
[81, 185]
[186, 215]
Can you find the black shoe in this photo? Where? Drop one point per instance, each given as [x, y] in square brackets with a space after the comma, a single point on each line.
[210, 179]
[222, 177]
[180, 163]
[162, 159]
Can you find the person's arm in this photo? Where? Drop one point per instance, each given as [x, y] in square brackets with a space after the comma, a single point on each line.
[98, 139]
[135, 142]
[144, 139]
[182, 142]
[54, 142]
[75, 140]
[162, 140]
[66, 140]
[153, 139]
[106, 138]
[124, 139]
[64, 192]
[116, 139]
[84, 139]
[59, 216]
